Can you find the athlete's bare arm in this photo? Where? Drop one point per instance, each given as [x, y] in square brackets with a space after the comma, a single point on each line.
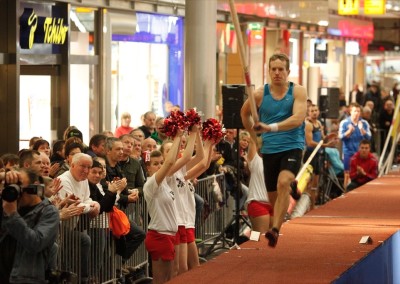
[245, 112]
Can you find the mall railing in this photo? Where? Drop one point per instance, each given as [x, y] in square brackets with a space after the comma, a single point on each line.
[210, 227]
[81, 238]
[105, 266]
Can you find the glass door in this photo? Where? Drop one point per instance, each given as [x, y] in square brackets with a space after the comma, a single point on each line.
[35, 108]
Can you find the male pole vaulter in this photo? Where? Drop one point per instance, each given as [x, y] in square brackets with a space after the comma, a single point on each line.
[282, 110]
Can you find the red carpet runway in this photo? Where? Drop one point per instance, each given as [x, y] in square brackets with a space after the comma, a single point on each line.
[316, 248]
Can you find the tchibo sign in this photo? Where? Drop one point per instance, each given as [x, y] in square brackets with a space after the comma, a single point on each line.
[35, 29]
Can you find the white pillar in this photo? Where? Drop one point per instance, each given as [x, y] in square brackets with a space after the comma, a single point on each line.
[313, 83]
[200, 55]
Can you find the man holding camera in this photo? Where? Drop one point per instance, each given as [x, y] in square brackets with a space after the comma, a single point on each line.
[29, 229]
[30, 159]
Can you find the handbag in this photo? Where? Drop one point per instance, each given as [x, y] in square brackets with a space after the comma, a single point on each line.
[216, 190]
[119, 223]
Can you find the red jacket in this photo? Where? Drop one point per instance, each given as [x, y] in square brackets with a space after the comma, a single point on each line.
[369, 164]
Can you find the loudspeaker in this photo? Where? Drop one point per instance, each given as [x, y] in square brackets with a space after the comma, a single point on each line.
[233, 97]
[328, 102]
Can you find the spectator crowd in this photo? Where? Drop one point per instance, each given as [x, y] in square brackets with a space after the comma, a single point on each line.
[69, 180]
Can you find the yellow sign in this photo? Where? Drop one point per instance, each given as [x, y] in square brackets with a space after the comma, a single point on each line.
[348, 7]
[35, 29]
[374, 7]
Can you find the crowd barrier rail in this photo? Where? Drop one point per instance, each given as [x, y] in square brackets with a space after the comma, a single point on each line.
[211, 225]
[82, 240]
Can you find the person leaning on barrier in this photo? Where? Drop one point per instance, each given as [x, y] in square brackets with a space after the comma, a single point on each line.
[114, 174]
[75, 184]
[29, 228]
[99, 228]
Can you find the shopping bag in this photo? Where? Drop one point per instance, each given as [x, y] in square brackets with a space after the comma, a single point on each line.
[119, 223]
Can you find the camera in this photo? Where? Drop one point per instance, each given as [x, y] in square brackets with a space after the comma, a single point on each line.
[12, 192]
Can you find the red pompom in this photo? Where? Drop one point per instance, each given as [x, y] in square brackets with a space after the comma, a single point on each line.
[212, 130]
[174, 122]
[192, 118]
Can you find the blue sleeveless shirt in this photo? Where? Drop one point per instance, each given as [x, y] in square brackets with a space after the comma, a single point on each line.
[274, 111]
[317, 136]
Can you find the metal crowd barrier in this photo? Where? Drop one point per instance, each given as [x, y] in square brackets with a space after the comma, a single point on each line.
[81, 237]
[210, 228]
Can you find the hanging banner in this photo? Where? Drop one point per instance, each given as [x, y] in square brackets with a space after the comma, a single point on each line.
[374, 7]
[348, 7]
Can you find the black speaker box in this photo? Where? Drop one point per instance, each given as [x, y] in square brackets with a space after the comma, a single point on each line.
[233, 97]
[328, 99]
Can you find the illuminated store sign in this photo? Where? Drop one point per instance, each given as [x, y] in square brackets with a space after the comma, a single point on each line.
[35, 29]
[346, 7]
[374, 7]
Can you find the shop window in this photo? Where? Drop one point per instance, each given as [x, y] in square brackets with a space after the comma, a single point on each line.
[34, 109]
[82, 31]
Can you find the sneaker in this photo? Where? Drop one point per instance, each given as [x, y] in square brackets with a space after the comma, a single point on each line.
[272, 236]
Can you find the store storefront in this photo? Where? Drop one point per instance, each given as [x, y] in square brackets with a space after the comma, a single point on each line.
[70, 65]
[147, 67]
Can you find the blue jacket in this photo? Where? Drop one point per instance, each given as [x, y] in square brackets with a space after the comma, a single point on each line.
[35, 234]
[350, 144]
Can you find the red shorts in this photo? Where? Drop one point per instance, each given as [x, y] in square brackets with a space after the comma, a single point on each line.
[257, 209]
[160, 246]
[190, 235]
[181, 236]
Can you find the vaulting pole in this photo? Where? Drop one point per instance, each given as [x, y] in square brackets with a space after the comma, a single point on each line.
[235, 20]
